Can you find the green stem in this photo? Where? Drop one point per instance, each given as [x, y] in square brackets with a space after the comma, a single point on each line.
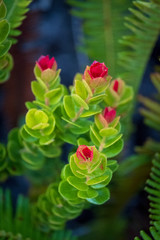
[46, 99]
[102, 144]
[78, 114]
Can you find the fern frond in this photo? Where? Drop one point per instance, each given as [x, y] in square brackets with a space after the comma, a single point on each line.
[16, 10]
[152, 110]
[144, 25]
[102, 26]
[153, 188]
[19, 226]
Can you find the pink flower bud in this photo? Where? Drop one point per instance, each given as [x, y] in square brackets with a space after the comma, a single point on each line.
[45, 63]
[98, 70]
[116, 85]
[109, 114]
[96, 75]
[106, 117]
[84, 153]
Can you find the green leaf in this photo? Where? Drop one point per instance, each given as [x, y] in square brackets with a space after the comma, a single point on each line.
[127, 95]
[71, 123]
[103, 196]
[3, 10]
[76, 171]
[96, 99]
[110, 141]
[2, 151]
[4, 29]
[66, 172]
[97, 180]
[38, 90]
[26, 136]
[112, 164]
[114, 149]
[80, 89]
[50, 150]
[54, 95]
[69, 138]
[79, 101]
[91, 193]
[93, 110]
[41, 105]
[32, 160]
[46, 140]
[83, 127]
[83, 141]
[36, 119]
[4, 47]
[96, 141]
[95, 135]
[87, 88]
[67, 191]
[69, 106]
[108, 132]
[13, 151]
[78, 183]
[3, 159]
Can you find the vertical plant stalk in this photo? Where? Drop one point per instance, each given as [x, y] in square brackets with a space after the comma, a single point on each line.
[108, 35]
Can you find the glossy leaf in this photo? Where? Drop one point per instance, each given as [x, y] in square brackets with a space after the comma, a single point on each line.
[79, 101]
[103, 196]
[69, 106]
[80, 89]
[78, 183]
[4, 29]
[67, 191]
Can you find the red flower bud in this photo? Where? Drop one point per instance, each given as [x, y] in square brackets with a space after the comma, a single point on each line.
[109, 114]
[45, 63]
[96, 75]
[98, 70]
[84, 153]
[116, 85]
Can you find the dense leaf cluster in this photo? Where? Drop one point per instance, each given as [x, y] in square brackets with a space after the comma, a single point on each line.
[12, 14]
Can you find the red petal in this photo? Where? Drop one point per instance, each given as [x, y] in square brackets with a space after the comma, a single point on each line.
[84, 153]
[51, 62]
[116, 85]
[44, 62]
[98, 70]
[109, 114]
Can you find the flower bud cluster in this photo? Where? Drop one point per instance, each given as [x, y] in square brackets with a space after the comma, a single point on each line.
[86, 176]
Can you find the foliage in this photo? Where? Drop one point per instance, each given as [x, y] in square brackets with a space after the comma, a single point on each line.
[11, 16]
[153, 190]
[152, 110]
[52, 118]
[103, 26]
[139, 44]
[19, 225]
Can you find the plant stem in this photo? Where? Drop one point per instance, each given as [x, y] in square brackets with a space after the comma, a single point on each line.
[46, 99]
[78, 114]
[102, 144]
